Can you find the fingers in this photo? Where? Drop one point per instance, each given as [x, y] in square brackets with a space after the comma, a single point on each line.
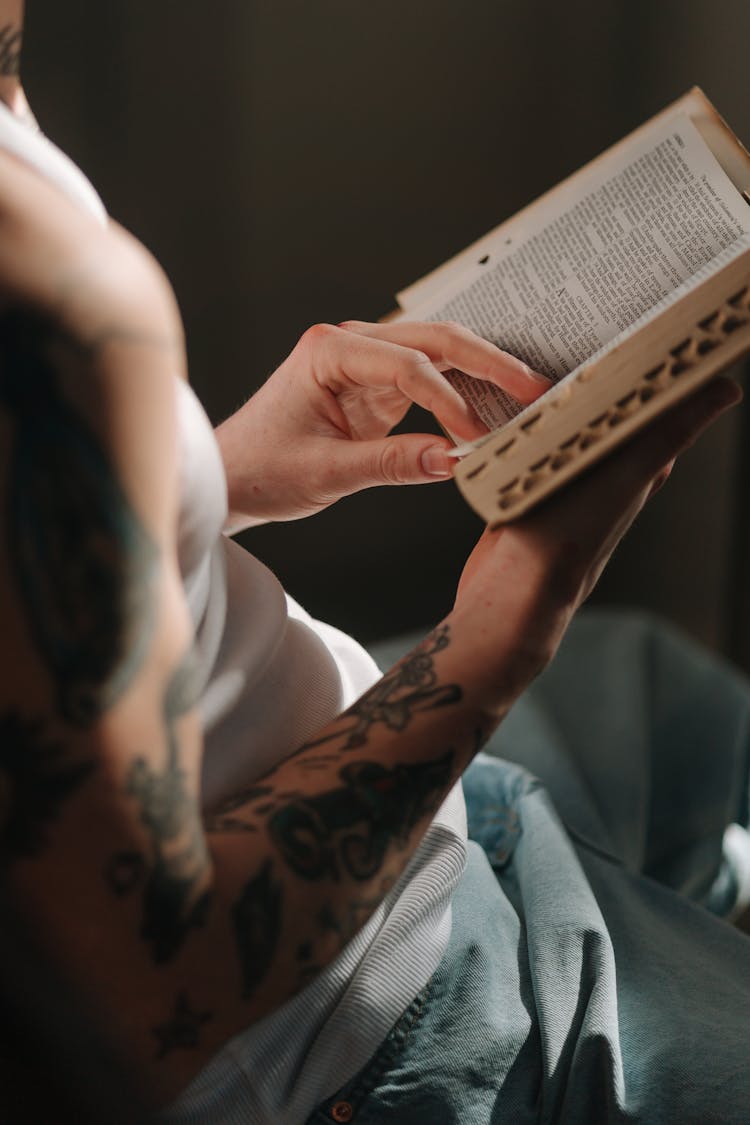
[571, 536]
[599, 505]
[451, 345]
[647, 460]
[341, 358]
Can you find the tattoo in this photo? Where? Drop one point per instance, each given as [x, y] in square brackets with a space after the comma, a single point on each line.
[222, 818]
[350, 828]
[10, 51]
[304, 951]
[228, 824]
[124, 872]
[35, 780]
[237, 800]
[182, 1029]
[351, 918]
[409, 687]
[174, 899]
[355, 912]
[257, 923]
[346, 831]
[82, 559]
[327, 920]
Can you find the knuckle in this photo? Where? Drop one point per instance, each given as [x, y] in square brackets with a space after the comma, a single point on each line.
[392, 465]
[419, 360]
[451, 336]
[455, 329]
[317, 333]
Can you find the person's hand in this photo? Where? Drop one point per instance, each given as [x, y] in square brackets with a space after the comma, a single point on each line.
[523, 581]
[318, 429]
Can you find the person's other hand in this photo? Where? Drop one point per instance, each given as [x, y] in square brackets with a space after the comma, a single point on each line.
[319, 427]
[524, 581]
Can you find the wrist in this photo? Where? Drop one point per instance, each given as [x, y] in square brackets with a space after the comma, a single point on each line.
[234, 445]
[506, 627]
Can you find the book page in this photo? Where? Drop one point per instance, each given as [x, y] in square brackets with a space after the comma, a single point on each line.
[605, 252]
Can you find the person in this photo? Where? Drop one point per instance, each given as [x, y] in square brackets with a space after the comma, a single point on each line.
[241, 847]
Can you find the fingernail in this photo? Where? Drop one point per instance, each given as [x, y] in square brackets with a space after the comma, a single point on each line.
[436, 462]
[536, 377]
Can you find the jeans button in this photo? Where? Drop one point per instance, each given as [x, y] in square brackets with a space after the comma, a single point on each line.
[342, 1111]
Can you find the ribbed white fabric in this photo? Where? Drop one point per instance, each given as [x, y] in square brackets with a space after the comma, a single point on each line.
[271, 676]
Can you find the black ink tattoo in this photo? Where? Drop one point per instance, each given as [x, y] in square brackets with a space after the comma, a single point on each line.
[409, 687]
[349, 829]
[175, 899]
[83, 561]
[327, 919]
[244, 797]
[10, 50]
[124, 872]
[35, 779]
[350, 918]
[182, 1029]
[257, 923]
[222, 818]
[354, 913]
[304, 951]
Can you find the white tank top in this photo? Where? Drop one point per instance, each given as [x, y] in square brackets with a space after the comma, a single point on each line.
[271, 677]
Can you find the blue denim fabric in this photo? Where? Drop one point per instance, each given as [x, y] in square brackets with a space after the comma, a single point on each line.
[585, 980]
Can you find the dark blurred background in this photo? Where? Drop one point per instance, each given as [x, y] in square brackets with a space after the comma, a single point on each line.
[290, 162]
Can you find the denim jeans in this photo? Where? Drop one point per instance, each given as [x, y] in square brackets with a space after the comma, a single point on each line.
[590, 977]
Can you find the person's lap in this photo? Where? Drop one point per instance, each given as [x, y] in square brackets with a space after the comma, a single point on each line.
[583, 982]
[642, 739]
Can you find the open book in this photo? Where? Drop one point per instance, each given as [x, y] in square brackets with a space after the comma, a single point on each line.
[628, 284]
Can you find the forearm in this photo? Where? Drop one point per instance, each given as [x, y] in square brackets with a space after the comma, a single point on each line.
[333, 826]
[303, 859]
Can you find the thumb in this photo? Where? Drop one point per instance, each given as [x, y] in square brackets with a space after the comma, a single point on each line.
[400, 459]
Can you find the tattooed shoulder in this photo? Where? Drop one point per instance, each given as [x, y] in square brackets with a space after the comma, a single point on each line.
[82, 559]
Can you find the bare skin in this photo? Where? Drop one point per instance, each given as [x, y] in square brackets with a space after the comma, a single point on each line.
[182, 930]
